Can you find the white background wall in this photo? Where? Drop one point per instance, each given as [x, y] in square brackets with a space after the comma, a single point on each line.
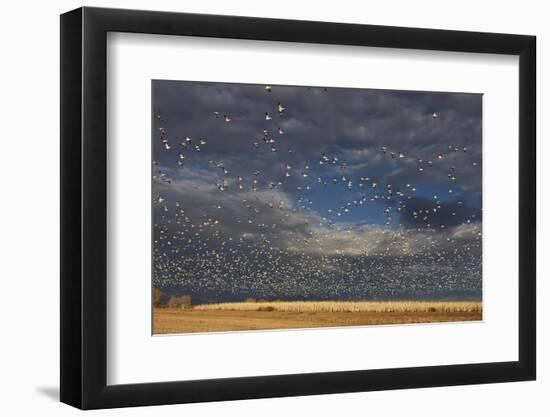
[29, 213]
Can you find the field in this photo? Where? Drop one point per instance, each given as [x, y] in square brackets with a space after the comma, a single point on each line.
[240, 316]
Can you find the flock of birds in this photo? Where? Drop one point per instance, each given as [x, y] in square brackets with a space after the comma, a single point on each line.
[277, 247]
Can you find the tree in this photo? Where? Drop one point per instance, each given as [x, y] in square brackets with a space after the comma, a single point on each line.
[159, 298]
[183, 301]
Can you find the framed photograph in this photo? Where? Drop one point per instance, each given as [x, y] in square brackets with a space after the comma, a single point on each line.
[259, 208]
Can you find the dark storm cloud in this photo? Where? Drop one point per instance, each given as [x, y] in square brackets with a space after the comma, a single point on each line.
[336, 121]
[423, 212]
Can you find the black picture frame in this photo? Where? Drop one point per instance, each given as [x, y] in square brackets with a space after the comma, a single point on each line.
[84, 207]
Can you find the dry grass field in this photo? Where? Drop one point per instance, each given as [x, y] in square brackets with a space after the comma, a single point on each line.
[240, 316]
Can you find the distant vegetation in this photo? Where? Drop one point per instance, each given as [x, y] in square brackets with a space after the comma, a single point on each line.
[183, 301]
[347, 306]
[163, 300]
[160, 299]
[253, 300]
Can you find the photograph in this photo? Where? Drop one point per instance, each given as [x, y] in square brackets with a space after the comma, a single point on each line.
[285, 207]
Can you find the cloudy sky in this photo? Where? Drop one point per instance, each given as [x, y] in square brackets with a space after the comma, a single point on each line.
[315, 193]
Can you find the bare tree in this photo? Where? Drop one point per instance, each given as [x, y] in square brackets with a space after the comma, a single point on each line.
[183, 301]
[159, 298]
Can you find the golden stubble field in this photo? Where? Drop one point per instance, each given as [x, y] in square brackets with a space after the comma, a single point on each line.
[241, 316]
